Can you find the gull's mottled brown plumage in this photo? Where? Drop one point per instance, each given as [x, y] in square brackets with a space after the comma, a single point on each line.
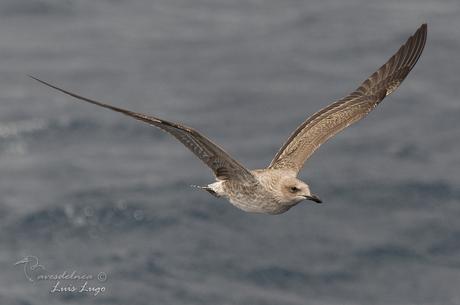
[276, 189]
[329, 121]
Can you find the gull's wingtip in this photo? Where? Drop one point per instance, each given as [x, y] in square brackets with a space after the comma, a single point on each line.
[42, 81]
[32, 77]
[421, 31]
[423, 28]
[37, 79]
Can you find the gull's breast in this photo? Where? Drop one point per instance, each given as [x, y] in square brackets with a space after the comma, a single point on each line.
[252, 198]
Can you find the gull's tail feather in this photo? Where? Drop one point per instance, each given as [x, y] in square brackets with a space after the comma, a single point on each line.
[206, 188]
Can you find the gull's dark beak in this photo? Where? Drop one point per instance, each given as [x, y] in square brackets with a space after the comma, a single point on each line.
[314, 198]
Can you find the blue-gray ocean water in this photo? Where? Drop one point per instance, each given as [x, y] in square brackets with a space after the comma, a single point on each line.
[87, 190]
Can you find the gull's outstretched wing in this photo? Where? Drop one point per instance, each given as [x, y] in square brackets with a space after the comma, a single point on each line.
[329, 121]
[223, 166]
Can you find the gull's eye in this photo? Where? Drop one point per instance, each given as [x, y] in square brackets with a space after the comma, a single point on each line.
[294, 189]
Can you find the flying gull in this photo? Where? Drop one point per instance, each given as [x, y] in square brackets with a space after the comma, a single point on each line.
[275, 189]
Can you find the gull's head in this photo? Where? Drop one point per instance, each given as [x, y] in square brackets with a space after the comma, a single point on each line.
[294, 191]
